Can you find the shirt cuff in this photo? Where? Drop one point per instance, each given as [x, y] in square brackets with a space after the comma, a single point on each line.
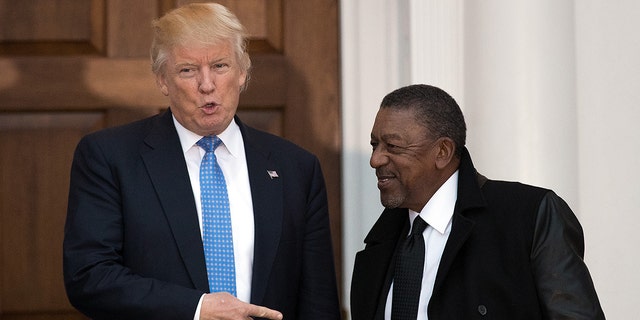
[197, 315]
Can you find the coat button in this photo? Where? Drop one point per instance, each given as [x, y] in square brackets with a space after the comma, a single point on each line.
[482, 310]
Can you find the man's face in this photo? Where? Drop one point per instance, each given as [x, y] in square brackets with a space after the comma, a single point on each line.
[203, 84]
[404, 158]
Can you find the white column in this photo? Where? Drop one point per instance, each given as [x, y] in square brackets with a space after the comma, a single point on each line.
[370, 68]
[520, 92]
[608, 62]
[436, 45]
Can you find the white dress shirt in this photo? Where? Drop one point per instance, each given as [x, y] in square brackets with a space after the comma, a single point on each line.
[438, 213]
[232, 160]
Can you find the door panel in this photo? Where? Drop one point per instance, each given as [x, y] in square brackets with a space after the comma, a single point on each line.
[34, 164]
[70, 67]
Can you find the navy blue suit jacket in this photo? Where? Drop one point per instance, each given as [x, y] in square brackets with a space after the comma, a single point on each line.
[132, 247]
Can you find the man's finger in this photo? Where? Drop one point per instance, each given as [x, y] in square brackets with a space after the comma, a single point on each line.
[263, 312]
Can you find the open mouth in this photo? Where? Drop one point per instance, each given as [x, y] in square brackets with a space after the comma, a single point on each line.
[209, 107]
[384, 181]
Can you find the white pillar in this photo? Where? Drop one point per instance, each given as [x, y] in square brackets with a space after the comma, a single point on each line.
[520, 92]
[371, 67]
[435, 29]
[608, 51]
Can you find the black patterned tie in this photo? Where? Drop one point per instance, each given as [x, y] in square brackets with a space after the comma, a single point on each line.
[407, 279]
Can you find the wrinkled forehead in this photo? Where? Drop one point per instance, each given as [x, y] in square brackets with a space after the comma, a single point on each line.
[397, 122]
[200, 54]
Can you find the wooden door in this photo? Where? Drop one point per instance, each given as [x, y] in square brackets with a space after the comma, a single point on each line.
[70, 67]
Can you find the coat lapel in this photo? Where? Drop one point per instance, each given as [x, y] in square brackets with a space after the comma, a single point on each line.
[371, 276]
[165, 163]
[267, 195]
[469, 198]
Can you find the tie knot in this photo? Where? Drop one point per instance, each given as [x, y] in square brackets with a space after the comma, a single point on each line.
[418, 226]
[209, 143]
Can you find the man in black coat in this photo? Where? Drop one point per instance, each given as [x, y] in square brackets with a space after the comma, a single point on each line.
[492, 249]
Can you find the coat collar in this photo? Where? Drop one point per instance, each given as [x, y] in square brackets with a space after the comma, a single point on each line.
[469, 198]
[469, 184]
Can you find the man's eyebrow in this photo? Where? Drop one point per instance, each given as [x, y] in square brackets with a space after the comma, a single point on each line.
[391, 136]
[183, 64]
[220, 59]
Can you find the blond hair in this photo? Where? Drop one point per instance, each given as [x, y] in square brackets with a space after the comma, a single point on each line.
[199, 23]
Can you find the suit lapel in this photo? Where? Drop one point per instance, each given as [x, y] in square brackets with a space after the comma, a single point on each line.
[267, 195]
[167, 170]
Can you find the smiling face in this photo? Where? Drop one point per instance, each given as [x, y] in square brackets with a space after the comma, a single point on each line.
[410, 164]
[203, 84]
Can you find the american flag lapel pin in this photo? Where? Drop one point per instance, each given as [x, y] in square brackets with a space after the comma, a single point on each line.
[272, 174]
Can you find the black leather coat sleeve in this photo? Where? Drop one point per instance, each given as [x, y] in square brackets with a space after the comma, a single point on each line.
[565, 287]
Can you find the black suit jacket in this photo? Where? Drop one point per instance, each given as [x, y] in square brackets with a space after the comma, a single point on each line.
[514, 252]
[132, 247]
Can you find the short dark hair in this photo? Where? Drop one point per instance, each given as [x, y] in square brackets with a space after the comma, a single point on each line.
[434, 108]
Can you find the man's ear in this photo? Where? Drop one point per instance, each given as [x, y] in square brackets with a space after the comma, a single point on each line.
[162, 83]
[445, 152]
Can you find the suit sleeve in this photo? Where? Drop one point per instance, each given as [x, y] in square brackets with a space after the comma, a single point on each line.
[96, 279]
[318, 297]
[565, 287]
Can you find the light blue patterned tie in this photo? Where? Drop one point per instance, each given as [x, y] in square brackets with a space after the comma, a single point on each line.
[216, 221]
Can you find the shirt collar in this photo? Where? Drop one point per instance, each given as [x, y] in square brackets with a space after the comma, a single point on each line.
[231, 137]
[439, 209]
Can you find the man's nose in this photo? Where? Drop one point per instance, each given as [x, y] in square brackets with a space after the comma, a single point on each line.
[206, 82]
[378, 158]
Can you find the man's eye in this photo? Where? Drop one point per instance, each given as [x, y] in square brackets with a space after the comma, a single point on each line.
[185, 72]
[220, 66]
[393, 148]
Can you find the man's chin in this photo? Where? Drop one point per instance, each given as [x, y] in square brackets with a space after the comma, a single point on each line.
[390, 203]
